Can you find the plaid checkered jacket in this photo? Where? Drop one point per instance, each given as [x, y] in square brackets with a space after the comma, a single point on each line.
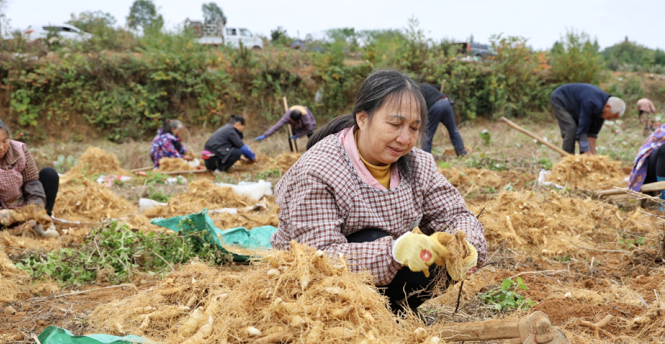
[323, 200]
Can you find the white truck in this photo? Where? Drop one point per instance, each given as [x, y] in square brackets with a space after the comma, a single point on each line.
[63, 31]
[217, 34]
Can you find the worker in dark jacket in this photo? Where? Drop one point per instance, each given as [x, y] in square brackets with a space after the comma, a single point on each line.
[300, 119]
[225, 146]
[439, 110]
[581, 110]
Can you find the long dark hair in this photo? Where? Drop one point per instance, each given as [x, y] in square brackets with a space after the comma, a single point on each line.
[380, 87]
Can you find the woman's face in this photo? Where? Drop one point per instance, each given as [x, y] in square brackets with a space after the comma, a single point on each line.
[4, 143]
[393, 131]
[177, 132]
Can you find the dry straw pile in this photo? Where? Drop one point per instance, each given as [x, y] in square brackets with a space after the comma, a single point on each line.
[94, 161]
[548, 222]
[90, 202]
[173, 165]
[589, 172]
[14, 283]
[466, 180]
[300, 296]
[284, 161]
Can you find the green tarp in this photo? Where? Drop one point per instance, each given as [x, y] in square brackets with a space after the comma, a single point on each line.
[258, 237]
[56, 335]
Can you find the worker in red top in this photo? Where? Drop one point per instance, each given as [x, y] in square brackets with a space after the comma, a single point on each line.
[300, 119]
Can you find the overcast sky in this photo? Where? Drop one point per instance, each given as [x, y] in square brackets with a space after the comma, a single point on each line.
[542, 22]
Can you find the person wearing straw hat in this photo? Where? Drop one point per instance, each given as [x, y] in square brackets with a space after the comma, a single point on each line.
[300, 119]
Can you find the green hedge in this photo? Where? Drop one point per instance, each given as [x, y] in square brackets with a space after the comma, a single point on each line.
[127, 94]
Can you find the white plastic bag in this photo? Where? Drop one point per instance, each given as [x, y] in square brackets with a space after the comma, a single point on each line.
[146, 203]
[255, 190]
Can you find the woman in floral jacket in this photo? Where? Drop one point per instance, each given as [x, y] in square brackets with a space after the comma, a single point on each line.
[362, 187]
[167, 143]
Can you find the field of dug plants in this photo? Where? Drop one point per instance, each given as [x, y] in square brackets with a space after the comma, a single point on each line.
[144, 254]
[594, 266]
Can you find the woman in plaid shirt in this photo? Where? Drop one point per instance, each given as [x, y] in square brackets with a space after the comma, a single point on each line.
[361, 188]
[21, 183]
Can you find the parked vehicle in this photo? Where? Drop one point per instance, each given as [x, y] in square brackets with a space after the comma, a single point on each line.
[218, 34]
[476, 51]
[62, 31]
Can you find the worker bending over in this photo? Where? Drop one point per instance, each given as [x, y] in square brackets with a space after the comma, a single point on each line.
[646, 109]
[225, 146]
[168, 144]
[300, 119]
[22, 183]
[440, 110]
[649, 166]
[362, 187]
[581, 110]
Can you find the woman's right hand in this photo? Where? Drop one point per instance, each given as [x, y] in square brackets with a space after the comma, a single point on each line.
[260, 138]
[419, 251]
[7, 217]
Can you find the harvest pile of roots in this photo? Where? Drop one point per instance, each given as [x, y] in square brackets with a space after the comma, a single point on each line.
[299, 295]
[90, 202]
[589, 172]
[174, 164]
[32, 212]
[14, 283]
[95, 161]
[549, 222]
[470, 179]
[284, 161]
[202, 193]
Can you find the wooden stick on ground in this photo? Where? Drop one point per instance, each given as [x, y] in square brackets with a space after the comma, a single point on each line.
[657, 186]
[536, 137]
[185, 172]
[142, 169]
[291, 140]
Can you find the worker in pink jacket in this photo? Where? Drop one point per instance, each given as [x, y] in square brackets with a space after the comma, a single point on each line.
[646, 107]
[362, 188]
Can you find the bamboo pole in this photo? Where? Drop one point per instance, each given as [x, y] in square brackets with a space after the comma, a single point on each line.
[657, 186]
[291, 140]
[534, 136]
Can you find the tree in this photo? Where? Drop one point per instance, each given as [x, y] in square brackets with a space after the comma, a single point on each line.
[212, 13]
[143, 13]
[90, 21]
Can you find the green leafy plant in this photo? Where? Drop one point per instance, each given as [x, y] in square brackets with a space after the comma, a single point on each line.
[506, 296]
[63, 164]
[116, 252]
[486, 137]
[153, 177]
[159, 196]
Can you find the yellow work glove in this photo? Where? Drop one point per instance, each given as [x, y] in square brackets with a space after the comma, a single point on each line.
[7, 217]
[418, 252]
[458, 268]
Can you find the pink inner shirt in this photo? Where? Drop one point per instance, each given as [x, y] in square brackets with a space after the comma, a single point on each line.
[349, 143]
